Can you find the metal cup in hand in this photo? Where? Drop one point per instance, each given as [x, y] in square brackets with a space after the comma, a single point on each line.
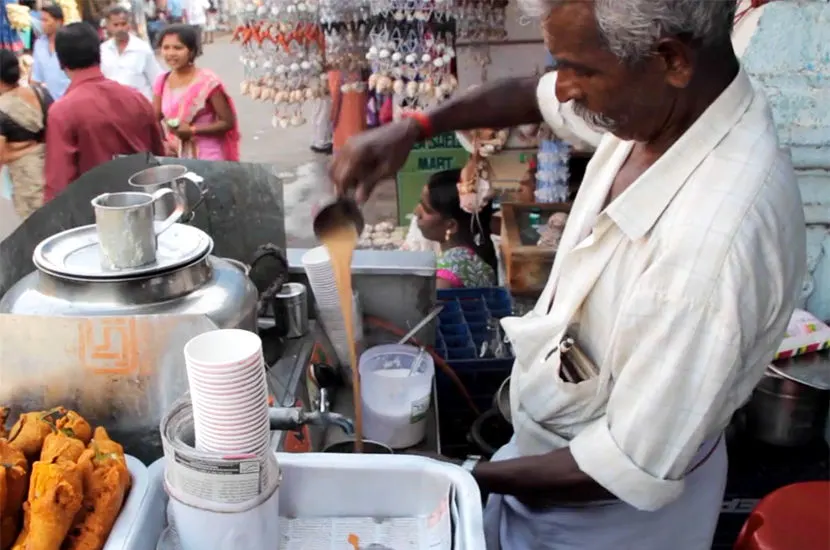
[126, 230]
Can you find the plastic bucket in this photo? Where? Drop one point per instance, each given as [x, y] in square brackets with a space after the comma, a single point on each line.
[395, 399]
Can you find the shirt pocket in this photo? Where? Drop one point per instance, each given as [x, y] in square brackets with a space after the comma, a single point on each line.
[559, 405]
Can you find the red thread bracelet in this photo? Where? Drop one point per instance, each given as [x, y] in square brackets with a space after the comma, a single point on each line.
[423, 121]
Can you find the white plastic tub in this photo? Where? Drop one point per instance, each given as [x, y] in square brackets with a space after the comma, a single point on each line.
[131, 511]
[395, 400]
[328, 485]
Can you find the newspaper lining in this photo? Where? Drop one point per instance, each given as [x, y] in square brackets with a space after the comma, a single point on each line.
[417, 533]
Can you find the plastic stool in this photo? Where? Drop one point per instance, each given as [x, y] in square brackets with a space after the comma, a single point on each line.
[795, 517]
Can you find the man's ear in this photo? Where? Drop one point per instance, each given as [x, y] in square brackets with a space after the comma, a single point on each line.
[677, 60]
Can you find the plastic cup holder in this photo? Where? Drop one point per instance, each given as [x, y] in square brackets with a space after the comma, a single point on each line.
[450, 306]
[475, 318]
[472, 305]
[461, 353]
[450, 330]
[452, 318]
[459, 341]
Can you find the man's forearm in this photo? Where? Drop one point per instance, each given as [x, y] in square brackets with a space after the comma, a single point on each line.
[548, 478]
[499, 104]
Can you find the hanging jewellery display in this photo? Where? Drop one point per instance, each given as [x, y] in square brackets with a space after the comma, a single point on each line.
[345, 24]
[283, 55]
[480, 23]
[412, 51]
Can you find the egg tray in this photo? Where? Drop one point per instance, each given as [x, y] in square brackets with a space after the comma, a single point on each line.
[462, 329]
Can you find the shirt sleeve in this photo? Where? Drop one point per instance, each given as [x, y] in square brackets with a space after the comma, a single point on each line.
[678, 370]
[61, 153]
[564, 123]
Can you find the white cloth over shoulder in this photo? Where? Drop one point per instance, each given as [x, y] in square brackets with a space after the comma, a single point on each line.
[680, 291]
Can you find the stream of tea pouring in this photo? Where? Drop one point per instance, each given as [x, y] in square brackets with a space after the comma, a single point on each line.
[338, 227]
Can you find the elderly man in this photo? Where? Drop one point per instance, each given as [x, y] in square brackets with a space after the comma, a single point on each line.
[676, 274]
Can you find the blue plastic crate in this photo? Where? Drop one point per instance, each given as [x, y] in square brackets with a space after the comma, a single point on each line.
[462, 328]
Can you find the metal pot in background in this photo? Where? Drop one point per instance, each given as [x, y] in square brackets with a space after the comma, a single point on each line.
[785, 412]
[492, 429]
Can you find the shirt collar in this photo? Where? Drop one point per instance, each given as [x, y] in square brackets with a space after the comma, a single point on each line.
[131, 44]
[82, 76]
[639, 207]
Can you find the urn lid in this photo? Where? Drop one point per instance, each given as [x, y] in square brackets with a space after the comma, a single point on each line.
[76, 253]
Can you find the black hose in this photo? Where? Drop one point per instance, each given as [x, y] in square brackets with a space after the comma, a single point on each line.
[475, 432]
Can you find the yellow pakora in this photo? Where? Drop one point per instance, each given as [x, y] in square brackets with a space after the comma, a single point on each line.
[55, 497]
[106, 482]
[60, 446]
[31, 429]
[14, 481]
[75, 425]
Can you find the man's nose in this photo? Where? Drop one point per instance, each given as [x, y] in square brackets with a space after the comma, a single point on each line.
[566, 88]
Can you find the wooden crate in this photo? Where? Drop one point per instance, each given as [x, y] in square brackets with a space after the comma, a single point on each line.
[526, 265]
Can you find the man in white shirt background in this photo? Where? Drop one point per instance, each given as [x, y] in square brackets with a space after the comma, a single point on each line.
[195, 14]
[126, 58]
[676, 275]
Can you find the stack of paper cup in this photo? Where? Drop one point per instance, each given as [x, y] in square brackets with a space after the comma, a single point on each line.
[226, 372]
[320, 275]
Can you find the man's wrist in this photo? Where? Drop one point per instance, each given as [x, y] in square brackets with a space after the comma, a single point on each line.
[420, 124]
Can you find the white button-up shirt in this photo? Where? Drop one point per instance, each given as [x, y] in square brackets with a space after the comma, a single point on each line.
[135, 67]
[695, 299]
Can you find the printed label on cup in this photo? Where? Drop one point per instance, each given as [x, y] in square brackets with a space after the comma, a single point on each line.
[419, 410]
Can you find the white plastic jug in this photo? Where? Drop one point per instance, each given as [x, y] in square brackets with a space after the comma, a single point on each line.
[396, 398]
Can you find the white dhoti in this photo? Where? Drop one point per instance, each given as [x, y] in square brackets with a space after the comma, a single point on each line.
[688, 523]
[321, 121]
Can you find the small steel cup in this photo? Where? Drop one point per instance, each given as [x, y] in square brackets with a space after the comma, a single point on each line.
[126, 230]
[174, 177]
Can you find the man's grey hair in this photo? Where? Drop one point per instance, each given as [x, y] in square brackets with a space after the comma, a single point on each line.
[630, 28]
[117, 10]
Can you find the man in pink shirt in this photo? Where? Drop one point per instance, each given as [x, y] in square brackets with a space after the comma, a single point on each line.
[97, 118]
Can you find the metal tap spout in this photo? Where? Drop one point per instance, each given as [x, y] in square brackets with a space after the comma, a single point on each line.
[292, 419]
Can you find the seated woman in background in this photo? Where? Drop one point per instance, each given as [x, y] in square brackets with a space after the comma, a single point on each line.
[22, 127]
[467, 257]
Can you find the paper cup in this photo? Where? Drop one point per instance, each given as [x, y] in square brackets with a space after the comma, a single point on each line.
[228, 392]
[223, 348]
[253, 378]
[254, 407]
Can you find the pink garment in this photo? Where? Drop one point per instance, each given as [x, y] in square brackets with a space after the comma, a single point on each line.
[192, 106]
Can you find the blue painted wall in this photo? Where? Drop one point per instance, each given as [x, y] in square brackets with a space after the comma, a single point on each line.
[789, 55]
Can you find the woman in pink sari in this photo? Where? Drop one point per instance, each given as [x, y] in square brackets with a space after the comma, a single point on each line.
[197, 114]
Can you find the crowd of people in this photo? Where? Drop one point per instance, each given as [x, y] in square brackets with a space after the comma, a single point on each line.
[77, 102]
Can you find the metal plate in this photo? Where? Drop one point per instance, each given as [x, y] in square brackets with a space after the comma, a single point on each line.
[811, 369]
[76, 253]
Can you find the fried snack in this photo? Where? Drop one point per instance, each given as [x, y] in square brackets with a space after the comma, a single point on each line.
[4, 415]
[102, 443]
[76, 426]
[106, 482]
[14, 480]
[61, 446]
[31, 429]
[55, 497]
